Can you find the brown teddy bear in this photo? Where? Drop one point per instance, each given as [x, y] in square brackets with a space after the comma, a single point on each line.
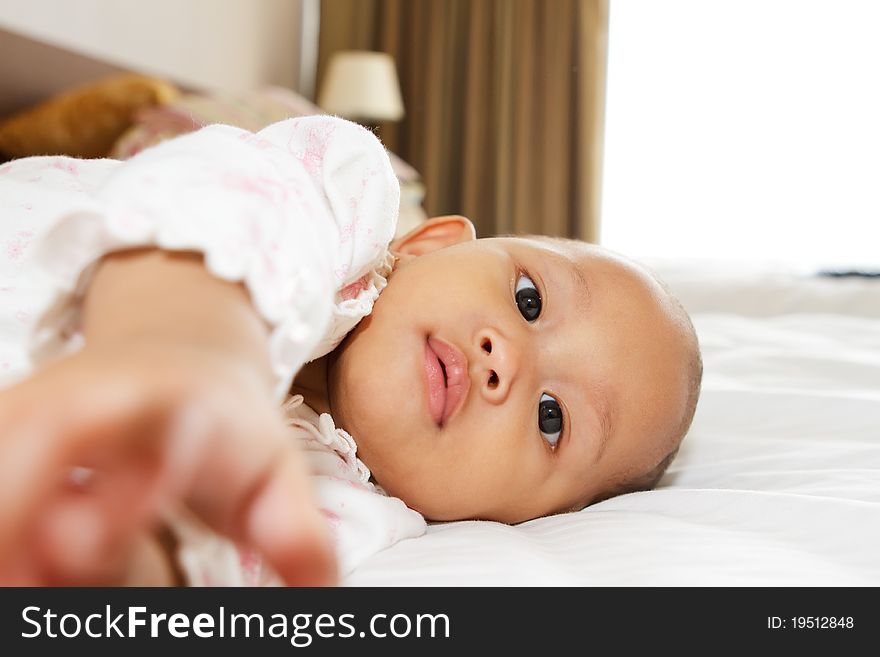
[82, 122]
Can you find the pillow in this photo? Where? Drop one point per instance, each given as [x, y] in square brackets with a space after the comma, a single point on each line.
[251, 111]
[85, 121]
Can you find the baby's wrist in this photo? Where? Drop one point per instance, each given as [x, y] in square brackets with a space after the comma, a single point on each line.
[152, 297]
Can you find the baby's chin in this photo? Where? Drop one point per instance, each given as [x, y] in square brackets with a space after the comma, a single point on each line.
[439, 503]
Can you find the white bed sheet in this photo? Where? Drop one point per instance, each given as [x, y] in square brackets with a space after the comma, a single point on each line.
[778, 482]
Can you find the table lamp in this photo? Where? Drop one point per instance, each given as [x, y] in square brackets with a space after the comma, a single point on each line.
[362, 86]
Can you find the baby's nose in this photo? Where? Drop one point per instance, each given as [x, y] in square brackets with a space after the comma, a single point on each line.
[497, 365]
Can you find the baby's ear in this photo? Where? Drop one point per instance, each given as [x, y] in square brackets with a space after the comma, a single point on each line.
[434, 233]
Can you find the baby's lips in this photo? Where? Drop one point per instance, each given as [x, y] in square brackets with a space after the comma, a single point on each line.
[457, 378]
[436, 384]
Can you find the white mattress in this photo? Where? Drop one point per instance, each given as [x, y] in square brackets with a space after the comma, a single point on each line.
[778, 482]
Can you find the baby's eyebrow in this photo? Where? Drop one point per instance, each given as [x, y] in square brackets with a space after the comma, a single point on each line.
[599, 402]
[578, 283]
[605, 423]
[598, 393]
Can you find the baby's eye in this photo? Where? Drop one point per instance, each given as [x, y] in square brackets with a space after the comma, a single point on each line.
[550, 419]
[528, 300]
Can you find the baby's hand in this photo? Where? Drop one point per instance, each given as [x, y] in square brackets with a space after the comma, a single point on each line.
[94, 446]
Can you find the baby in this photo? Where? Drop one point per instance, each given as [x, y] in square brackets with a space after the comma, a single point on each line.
[434, 376]
[527, 376]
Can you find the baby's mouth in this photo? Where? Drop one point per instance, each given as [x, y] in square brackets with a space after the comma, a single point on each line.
[448, 381]
[435, 376]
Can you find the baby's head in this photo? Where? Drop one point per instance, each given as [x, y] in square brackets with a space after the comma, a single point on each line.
[510, 378]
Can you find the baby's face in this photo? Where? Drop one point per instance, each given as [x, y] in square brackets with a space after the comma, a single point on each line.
[510, 378]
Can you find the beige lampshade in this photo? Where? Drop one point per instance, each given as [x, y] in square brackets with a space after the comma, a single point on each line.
[362, 85]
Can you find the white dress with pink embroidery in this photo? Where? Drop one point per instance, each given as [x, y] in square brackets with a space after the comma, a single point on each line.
[301, 213]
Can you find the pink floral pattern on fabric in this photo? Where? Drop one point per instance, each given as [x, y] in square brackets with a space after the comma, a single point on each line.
[267, 189]
[251, 566]
[352, 290]
[65, 165]
[312, 149]
[333, 520]
[257, 141]
[347, 482]
[16, 247]
[349, 229]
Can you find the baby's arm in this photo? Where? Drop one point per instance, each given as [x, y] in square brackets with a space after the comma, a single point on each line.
[170, 399]
[167, 400]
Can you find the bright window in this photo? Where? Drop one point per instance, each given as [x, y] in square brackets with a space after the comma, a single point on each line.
[744, 129]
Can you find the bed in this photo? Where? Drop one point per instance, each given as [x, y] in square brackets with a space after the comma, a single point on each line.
[777, 483]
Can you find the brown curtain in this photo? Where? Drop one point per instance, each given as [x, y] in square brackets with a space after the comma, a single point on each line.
[504, 103]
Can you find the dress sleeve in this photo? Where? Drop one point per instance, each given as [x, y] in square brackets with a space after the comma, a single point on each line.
[284, 211]
[362, 519]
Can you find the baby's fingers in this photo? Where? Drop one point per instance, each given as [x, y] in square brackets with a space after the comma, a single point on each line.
[230, 459]
[86, 532]
[283, 522]
[53, 530]
[250, 483]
